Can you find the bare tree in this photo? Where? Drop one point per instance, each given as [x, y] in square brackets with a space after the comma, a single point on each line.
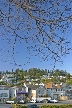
[42, 25]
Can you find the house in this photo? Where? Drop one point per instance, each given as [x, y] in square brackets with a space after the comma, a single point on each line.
[36, 91]
[0, 80]
[62, 77]
[22, 92]
[18, 92]
[68, 90]
[4, 92]
[8, 75]
[7, 80]
[42, 84]
[54, 90]
[45, 77]
[12, 92]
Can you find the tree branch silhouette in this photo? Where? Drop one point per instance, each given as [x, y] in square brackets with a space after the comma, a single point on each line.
[44, 24]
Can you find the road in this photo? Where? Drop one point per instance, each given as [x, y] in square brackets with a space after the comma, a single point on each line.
[5, 106]
[67, 102]
[39, 104]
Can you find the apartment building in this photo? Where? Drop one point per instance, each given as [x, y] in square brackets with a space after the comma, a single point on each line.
[36, 91]
[54, 90]
[4, 92]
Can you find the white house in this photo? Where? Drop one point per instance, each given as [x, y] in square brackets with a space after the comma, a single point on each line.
[36, 91]
[12, 92]
[54, 91]
[18, 92]
[8, 75]
[42, 84]
[4, 92]
[68, 91]
[0, 80]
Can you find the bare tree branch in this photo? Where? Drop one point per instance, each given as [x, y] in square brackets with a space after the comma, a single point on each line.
[43, 24]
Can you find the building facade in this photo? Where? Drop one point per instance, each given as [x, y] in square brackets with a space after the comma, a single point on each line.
[54, 91]
[36, 91]
[18, 92]
[4, 93]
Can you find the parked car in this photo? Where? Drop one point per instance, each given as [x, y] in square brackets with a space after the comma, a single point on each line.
[44, 101]
[23, 101]
[33, 101]
[52, 101]
[10, 102]
[32, 106]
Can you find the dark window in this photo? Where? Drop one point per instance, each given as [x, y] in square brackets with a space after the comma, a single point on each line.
[39, 91]
[10, 95]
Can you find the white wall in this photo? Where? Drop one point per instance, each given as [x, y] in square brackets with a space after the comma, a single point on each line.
[68, 92]
[52, 92]
[2, 87]
[12, 92]
[41, 91]
[4, 94]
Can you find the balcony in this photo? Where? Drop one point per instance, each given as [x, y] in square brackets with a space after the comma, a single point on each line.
[58, 92]
[22, 92]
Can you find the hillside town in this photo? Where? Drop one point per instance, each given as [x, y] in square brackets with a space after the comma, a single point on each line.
[34, 88]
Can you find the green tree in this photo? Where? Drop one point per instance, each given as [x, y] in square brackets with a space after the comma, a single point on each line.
[68, 76]
[69, 81]
[57, 72]
[17, 71]
[21, 75]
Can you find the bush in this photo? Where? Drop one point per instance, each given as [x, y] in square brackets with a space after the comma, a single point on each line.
[46, 106]
[13, 99]
[56, 106]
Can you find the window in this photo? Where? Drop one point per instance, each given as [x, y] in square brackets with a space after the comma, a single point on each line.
[20, 89]
[69, 87]
[10, 95]
[39, 92]
[4, 94]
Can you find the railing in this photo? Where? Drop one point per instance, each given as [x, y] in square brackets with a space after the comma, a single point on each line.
[57, 92]
[21, 92]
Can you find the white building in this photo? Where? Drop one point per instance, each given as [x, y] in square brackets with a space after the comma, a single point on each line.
[4, 92]
[36, 91]
[68, 91]
[18, 91]
[8, 75]
[12, 92]
[42, 84]
[54, 91]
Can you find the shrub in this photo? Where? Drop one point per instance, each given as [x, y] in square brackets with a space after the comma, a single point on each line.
[45, 106]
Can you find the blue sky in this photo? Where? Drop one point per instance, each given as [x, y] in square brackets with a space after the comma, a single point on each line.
[35, 62]
[20, 58]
